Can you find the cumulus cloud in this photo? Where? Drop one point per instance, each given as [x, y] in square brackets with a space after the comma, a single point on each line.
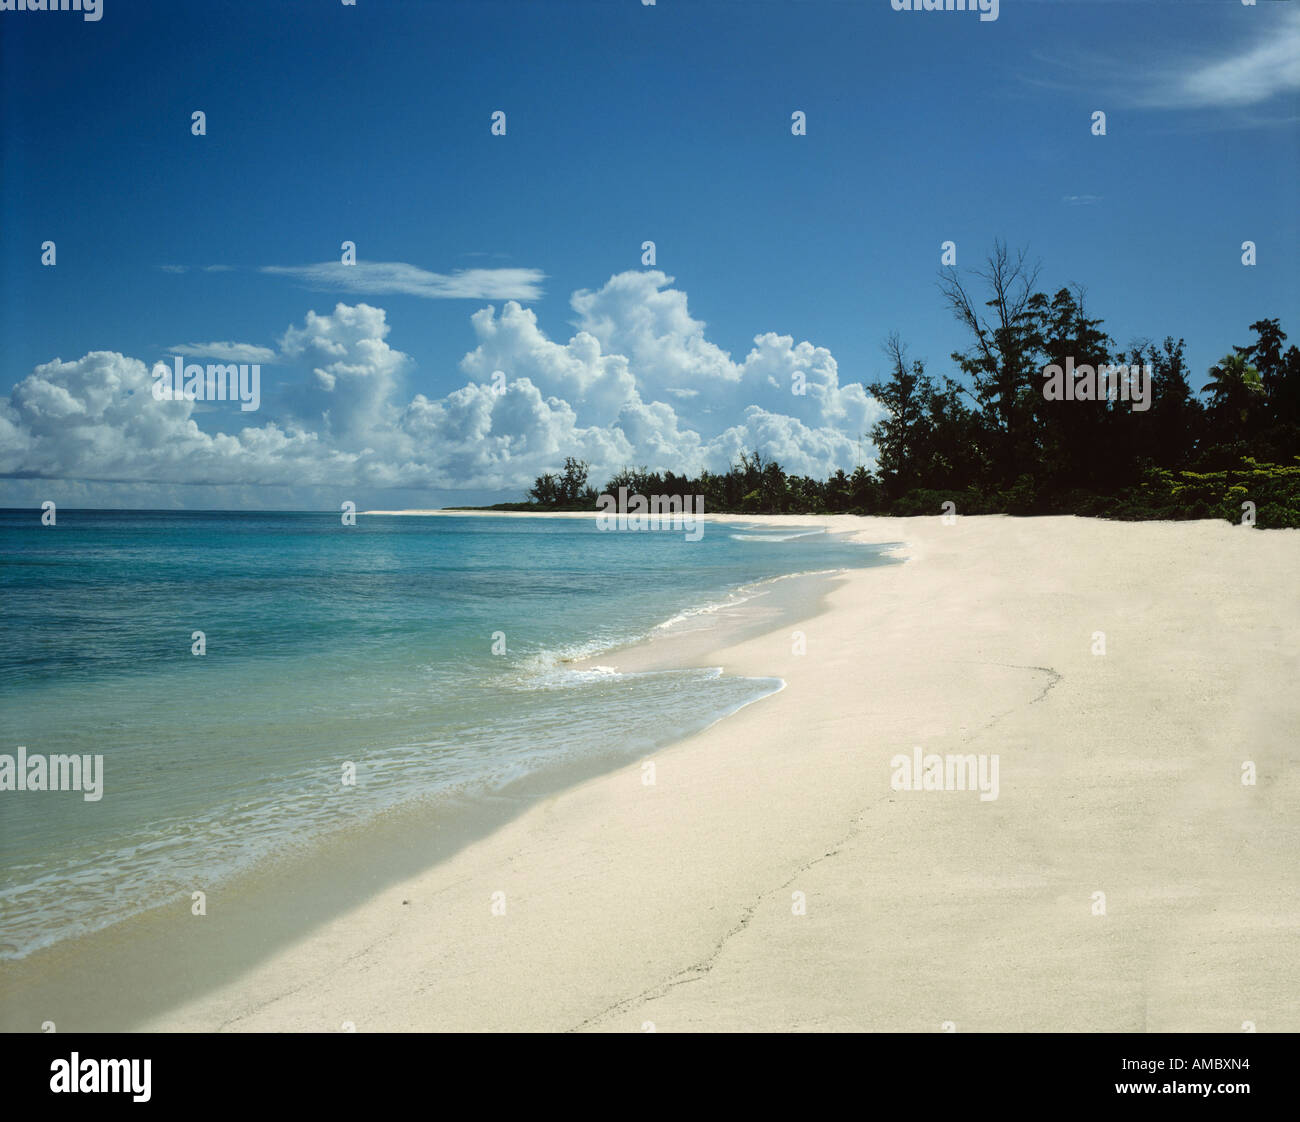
[355, 372]
[637, 382]
[638, 315]
[96, 419]
[580, 371]
[386, 278]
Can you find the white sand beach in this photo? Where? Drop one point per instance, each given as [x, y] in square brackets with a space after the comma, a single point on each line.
[672, 905]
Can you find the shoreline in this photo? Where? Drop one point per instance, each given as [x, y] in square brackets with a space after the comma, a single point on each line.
[375, 852]
[675, 903]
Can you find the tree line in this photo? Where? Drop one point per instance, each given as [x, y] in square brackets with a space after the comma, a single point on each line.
[990, 441]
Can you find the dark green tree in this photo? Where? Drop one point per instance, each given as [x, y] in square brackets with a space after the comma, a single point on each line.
[1004, 362]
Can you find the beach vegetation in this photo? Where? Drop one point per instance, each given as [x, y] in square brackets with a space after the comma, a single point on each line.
[989, 440]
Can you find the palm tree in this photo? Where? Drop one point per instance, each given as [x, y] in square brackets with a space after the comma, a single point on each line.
[1234, 386]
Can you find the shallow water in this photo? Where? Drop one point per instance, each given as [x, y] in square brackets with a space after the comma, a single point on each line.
[427, 657]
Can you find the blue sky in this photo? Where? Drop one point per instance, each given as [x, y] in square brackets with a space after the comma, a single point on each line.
[625, 122]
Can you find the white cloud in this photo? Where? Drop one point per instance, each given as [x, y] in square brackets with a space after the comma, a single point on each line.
[636, 315]
[382, 278]
[355, 372]
[580, 371]
[800, 449]
[225, 352]
[637, 382]
[1240, 77]
[96, 419]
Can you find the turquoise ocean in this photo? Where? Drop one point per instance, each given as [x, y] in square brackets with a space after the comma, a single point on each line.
[370, 645]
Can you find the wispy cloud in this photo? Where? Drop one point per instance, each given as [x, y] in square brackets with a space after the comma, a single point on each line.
[1253, 79]
[195, 268]
[380, 278]
[1247, 75]
[1081, 200]
[225, 352]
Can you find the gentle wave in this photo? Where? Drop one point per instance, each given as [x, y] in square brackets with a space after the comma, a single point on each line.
[376, 649]
[775, 537]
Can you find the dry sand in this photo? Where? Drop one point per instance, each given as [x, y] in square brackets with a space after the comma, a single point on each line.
[630, 905]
